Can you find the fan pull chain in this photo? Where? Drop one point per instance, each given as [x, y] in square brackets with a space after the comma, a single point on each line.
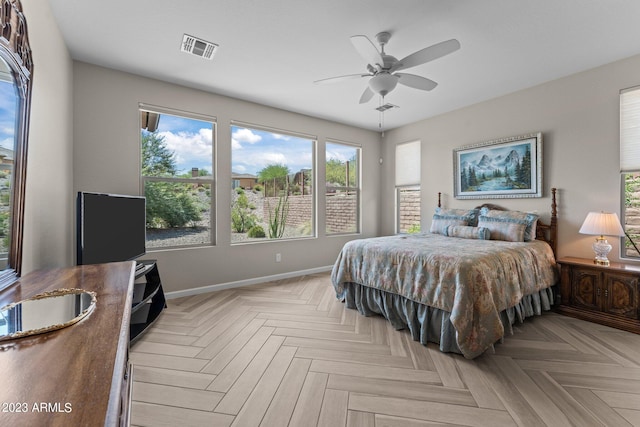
[381, 118]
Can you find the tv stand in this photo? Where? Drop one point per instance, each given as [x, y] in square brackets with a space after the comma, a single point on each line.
[148, 298]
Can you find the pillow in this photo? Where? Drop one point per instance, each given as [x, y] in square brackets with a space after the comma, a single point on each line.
[468, 232]
[469, 215]
[501, 229]
[530, 220]
[440, 223]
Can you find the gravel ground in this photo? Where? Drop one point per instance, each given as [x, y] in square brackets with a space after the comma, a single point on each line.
[200, 233]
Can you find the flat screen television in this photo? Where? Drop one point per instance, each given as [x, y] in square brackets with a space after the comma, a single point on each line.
[110, 227]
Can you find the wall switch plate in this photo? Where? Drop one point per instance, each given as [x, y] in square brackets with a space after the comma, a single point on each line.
[278, 257]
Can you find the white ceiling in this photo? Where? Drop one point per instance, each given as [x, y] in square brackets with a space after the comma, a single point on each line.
[271, 51]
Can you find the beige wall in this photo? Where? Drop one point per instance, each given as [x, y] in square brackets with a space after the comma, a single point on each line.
[107, 156]
[84, 136]
[579, 118]
[49, 209]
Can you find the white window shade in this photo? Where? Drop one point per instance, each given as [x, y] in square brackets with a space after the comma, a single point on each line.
[408, 163]
[630, 130]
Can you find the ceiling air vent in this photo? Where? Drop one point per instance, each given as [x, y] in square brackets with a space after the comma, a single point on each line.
[198, 47]
[386, 107]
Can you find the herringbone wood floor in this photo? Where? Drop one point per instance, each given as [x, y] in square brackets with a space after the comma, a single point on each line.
[287, 353]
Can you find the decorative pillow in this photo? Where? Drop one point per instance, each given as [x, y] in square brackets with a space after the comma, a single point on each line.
[440, 223]
[469, 215]
[530, 220]
[501, 229]
[468, 232]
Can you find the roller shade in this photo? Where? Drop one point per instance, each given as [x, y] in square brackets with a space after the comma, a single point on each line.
[630, 130]
[408, 163]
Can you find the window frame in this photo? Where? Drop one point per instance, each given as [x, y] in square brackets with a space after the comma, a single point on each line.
[314, 180]
[347, 188]
[628, 166]
[15, 51]
[178, 180]
[412, 185]
[399, 190]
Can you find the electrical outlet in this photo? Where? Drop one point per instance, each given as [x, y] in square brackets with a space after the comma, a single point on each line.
[278, 257]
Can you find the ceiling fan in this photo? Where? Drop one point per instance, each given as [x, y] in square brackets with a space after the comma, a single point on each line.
[383, 69]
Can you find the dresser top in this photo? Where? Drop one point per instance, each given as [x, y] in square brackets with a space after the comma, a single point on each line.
[614, 266]
[71, 376]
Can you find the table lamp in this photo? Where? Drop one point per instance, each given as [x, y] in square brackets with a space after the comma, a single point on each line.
[602, 224]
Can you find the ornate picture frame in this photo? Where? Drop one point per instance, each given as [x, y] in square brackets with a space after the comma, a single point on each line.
[502, 168]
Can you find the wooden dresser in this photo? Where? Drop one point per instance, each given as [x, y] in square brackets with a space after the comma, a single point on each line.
[79, 375]
[603, 294]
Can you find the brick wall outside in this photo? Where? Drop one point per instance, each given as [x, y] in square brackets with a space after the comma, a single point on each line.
[342, 213]
[409, 211]
[300, 209]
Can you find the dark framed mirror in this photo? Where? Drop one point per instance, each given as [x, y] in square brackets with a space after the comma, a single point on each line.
[16, 79]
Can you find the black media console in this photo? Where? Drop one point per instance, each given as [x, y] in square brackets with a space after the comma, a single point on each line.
[148, 298]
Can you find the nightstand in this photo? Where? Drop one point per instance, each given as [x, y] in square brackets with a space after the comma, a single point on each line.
[602, 294]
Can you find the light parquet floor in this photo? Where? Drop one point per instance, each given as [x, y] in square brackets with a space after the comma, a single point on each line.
[287, 353]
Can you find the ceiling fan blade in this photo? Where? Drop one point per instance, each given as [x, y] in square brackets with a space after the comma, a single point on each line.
[367, 50]
[427, 54]
[366, 95]
[416, 82]
[341, 78]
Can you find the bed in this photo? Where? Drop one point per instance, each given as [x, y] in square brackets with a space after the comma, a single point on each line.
[456, 285]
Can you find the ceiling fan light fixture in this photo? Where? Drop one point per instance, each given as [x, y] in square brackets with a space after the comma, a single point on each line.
[383, 83]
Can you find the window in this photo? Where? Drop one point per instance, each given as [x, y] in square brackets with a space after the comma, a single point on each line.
[342, 188]
[177, 177]
[630, 169]
[408, 187]
[273, 184]
[9, 102]
[16, 71]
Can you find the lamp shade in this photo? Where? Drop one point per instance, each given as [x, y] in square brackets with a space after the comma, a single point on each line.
[602, 224]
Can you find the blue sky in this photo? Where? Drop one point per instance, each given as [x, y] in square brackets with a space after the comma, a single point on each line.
[252, 149]
[7, 114]
[190, 140]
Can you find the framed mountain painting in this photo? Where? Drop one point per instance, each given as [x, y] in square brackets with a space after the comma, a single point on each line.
[503, 168]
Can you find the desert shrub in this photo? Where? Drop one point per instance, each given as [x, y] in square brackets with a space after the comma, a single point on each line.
[414, 228]
[305, 229]
[169, 205]
[241, 217]
[278, 219]
[256, 232]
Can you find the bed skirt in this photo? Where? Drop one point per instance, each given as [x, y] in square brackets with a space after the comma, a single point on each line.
[428, 324]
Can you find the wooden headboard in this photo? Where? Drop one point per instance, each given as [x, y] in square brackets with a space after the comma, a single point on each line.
[545, 232]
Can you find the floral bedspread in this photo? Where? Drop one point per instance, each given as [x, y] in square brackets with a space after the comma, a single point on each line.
[474, 280]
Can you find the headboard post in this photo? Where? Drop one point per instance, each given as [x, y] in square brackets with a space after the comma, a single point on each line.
[553, 223]
[439, 199]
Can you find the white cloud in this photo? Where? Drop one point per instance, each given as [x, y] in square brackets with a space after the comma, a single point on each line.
[254, 161]
[282, 137]
[334, 155]
[8, 130]
[7, 143]
[243, 135]
[271, 158]
[190, 148]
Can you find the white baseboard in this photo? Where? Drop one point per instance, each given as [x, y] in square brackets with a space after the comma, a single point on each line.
[247, 282]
